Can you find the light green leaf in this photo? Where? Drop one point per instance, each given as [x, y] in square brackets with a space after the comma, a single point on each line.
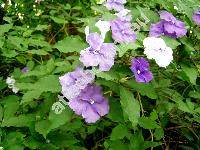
[59, 119]
[130, 105]
[70, 44]
[43, 127]
[119, 132]
[171, 42]
[147, 123]
[19, 121]
[30, 96]
[124, 47]
[144, 89]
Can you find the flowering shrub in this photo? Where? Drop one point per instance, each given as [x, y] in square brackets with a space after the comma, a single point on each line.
[115, 74]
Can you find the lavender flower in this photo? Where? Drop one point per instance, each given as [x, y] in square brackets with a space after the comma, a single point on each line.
[24, 70]
[73, 82]
[90, 104]
[121, 30]
[169, 26]
[117, 5]
[140, 68]
[196, 17]
[99, 53]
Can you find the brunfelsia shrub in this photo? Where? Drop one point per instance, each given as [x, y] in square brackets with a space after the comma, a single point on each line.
[112, 74]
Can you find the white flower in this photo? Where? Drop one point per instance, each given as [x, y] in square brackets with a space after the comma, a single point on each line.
[11, 84]
[87, 31]
[155, 48]
[104, 27]
[122, 13]
[10, 81]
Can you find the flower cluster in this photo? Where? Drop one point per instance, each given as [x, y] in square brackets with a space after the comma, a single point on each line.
[85, 98]
[11, 84]
[169, 26]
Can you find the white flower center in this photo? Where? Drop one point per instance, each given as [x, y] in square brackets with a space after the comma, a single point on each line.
[138, 72]
[91, 101]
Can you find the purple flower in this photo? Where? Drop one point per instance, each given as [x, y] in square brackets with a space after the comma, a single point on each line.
[73, 82]
[24, 70]
[140, 68]
[117, 5]
[90, 104]
[99, 53]
[121, 30]
[196, 17]
[169, 26]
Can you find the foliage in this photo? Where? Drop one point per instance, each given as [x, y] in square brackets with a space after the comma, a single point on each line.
[47, 37]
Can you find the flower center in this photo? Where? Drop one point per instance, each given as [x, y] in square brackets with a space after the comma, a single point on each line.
[91, 101]
[138, 72]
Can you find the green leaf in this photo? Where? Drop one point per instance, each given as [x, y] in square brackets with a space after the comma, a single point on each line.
[124, 47]
[110, 75]
[116, 113]
[19, 121]
[130, 105]
[191, 73]
[137, 141]
[38, 52]
[148, 144]
[171, 42]
[119, 132]
[11, 105]
[186, 107]
[30, 96]
[43, 127]
[144, 89]
[70, 44]
[59, 119]
[147, 123]
[59, 20]
[159, 133]
[2, 39]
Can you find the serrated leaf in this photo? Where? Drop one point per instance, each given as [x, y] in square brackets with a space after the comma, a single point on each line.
[70, 44]
[147, 123]
[119, 132]
[30, 96]
[130, 105]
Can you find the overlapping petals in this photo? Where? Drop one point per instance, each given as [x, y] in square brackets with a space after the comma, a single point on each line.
[121, 30]
[140, 68]
[155, 48]
[99, 53]
[116, 5]
[90, 104]
[73, 82]
[169, 26]
[196, 17]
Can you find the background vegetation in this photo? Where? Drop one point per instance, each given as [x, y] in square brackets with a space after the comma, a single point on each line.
[47, 37]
